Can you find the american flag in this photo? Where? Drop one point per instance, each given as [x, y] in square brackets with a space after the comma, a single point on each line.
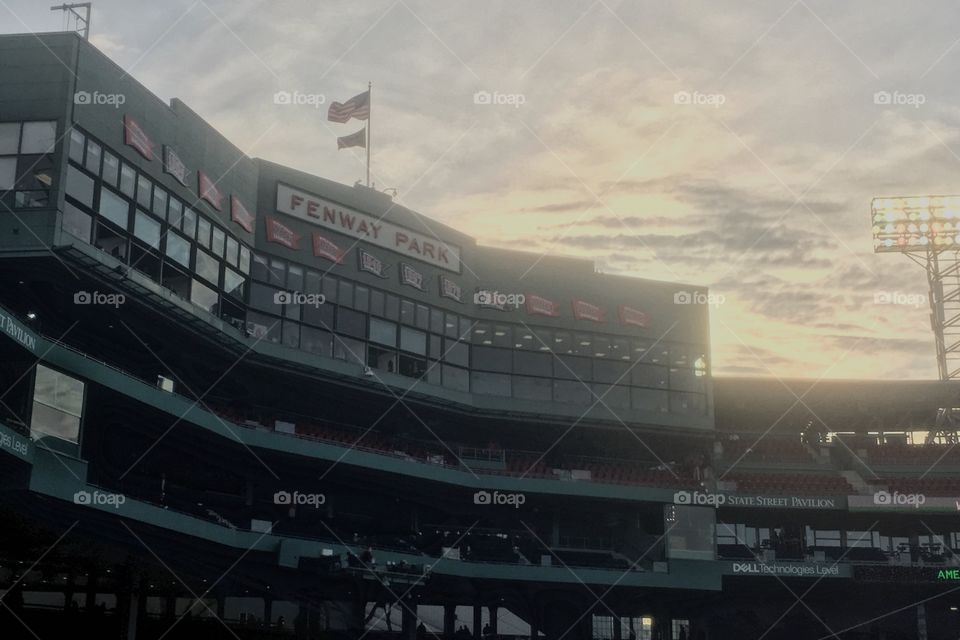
[358, 139]
[356, 107]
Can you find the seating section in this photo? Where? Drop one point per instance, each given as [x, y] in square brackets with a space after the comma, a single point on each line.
[907, 454]
[929, 485]
[792, 483]
[765, 449]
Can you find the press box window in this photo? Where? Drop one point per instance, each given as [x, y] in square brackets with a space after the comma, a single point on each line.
[111, 165]
[92, 162]
[383, 332]
[76, 222]
[114, 208]
[207, 267]
[219, 238]
[57, 405]
[147, 229]
[203, 232]
[128, 180]
[38, 137]
[10, 139]
[178, 249]
[79, 186]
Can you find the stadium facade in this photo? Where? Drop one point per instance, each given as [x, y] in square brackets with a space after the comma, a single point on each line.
[242, 399]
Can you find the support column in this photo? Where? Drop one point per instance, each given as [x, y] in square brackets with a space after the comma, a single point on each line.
[477, 621]
[449, 620]
[408, 620]
[130, 606]
[268, 611]
[617, 632]
[493, 620]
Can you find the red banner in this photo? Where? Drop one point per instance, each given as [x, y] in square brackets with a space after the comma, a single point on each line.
[282, 234]
[583, 310]
[540, 306]
[240, 215]
[208, 191]
[137, 138]
[632, 316]
[324, 248]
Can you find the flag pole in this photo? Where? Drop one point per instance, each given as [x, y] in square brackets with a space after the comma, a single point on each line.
[369, 118]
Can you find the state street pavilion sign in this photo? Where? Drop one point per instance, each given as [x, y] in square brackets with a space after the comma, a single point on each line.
[368, 228]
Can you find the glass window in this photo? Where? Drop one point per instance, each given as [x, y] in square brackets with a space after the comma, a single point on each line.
[233, 252]
[175, 213]
[450, 327]
[611, 371]
[160, 202]
[466, 325]
[620, 348]
[393, 307]
[482, 333]
[490, 384]
[38, 137]
[649, 400]
[244, 259]
[351, 323]
[190, 223]
[147, 229]
[10, 140]
[233, 283]
[383, 332]
[76, 222]
[345, 293]
[79, 186]
[532, 363]
[456, 378]
[376, 302]
[178, 248]
[330, 288]
[502, 336]
[523, 338]
[572, 367]
[423, 317]
[361, 298]
[407, 312]
[613, 396]
[128, 180]
[111, 165]
[218, 242]
[456, 352]
[203, 296]
[203, 232]
[316, 341]
[114, 208]
[436, 320]
[264, 298]
[571, 392]
[263, 327]
[320, 315]
[532, 388]
[491, 359]
[562, 342]
[649, 375]
[583, 344]
[8, 173]
[278, 272]
[601, 347]
[207, 267]
[291, 334]
[413, 341]
[350, 350]
[93, 157]
[57, 405]
[144, 191]
[295, 278]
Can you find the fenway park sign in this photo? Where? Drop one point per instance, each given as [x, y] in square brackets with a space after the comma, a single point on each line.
[368, 228]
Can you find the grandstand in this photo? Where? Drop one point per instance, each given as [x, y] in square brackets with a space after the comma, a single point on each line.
[228, 412]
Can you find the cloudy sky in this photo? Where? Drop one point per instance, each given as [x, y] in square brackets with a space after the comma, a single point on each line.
[730, 144]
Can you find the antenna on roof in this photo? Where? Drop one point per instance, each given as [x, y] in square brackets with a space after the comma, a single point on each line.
[81, 22]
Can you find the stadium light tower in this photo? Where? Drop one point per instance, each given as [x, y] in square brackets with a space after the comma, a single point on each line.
[927, 230]
[81, 22]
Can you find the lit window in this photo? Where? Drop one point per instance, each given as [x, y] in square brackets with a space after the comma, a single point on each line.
[57, 405]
